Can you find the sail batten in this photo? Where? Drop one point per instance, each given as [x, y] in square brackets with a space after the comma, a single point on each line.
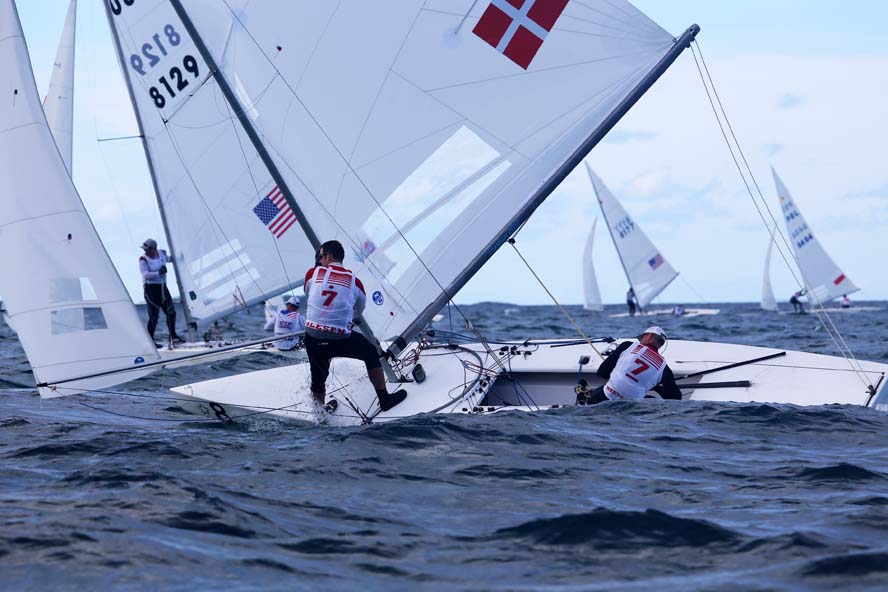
[823, 279]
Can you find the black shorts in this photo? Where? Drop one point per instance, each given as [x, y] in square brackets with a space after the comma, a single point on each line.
[321, 351]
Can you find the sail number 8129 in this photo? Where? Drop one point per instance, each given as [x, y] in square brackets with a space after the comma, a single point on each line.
[176, 83]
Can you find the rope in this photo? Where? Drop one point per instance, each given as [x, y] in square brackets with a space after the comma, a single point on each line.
[555, 300]
[830, 327]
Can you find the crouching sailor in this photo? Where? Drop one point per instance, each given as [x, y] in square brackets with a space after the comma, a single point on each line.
[287, 320]
[335, 297]
[633, 369]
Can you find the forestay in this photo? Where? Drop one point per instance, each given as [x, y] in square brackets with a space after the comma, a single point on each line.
[591, 295]
[418, 131]
[821, 275]
[72, 313]
[768, 303]
[59, 101]
[234, 239]
[646, 269]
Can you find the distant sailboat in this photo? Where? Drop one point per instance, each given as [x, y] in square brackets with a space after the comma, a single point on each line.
[59, 101]
[647, 271]
[821, 275]
[591, 294]
[769, 302]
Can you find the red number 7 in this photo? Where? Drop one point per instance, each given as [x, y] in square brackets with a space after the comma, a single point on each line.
[642, 366]
[330, 294]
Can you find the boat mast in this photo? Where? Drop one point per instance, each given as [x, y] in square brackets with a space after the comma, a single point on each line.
[183, 295]
[551, 184]
[263, 154]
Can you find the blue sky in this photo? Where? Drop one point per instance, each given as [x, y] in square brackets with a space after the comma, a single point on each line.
[803, 81]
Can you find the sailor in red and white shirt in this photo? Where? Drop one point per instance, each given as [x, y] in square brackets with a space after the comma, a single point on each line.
[634, 369]
[335, 297]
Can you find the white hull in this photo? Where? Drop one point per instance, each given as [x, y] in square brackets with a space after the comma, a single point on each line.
[689, 312]
[544, 376]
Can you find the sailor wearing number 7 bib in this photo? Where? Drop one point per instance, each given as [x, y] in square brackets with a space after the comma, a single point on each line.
[335, 296]
[633, 369]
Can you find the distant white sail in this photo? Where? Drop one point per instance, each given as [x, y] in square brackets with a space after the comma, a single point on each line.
[592, 297]
[375, 111]
[234, 239]
[646, 269]
[821, 275]
[769, 303]
[72, 313]
[59, 101]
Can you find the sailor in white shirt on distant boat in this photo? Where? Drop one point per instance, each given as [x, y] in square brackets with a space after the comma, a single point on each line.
[153, 266]
[285, 321]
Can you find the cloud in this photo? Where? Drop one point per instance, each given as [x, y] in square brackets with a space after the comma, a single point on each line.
[619, 136]
[772, 149]
[790, 101]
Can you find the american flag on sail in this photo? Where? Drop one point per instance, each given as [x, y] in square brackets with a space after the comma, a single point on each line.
[655, 261]
[275, 213]
[518, 28]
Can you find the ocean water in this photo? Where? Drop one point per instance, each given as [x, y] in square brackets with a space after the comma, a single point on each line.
[124, 491]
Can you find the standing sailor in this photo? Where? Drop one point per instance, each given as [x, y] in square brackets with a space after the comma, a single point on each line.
[630, 301]
[797, 305]
[285, 321]
[633, 369]
[152, 264]
[335, 297]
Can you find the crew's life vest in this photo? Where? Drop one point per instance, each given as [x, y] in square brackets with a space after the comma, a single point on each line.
[639, 369]
[332, 293]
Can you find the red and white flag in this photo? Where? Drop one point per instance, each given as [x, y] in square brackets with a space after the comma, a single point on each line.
[518, 28]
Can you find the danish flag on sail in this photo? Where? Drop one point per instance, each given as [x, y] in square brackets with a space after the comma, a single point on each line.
[517, 28]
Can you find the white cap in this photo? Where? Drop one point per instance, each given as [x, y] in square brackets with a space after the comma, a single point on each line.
[294, 301]
[655, 330]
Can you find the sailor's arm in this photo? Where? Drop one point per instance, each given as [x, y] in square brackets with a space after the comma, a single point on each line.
[147, 274]
[360, 297]
[667, 387]
[607, 366]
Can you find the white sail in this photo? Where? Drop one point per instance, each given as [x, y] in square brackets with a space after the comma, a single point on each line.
[234, 240]
[768, 303]
[592, 297]
[59, 101]
[377, 112]
[821, 275]
[646, 269]
[72, 313]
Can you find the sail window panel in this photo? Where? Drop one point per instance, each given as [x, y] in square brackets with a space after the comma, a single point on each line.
[229, 250]
[74, 320]
[229, 294]
[71, 290]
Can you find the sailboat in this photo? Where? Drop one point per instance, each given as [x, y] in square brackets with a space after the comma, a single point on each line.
[769, 302]
[822, 277]
[591, 294]
[421, 135]
[647, 271]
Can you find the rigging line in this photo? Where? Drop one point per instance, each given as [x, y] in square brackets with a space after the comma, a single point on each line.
[354, 172]
[210, 214]
[555, 300]
[464, 18]
[258, 193]
[730, 127]
[858, 370]
[634, 20]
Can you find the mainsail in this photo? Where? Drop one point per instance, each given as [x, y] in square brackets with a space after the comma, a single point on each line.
[234, 238]
[591, 295]
[72, 313]
[821, 275]
[59, 101]
[646, 269]
[419, 133]
[769, 303]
